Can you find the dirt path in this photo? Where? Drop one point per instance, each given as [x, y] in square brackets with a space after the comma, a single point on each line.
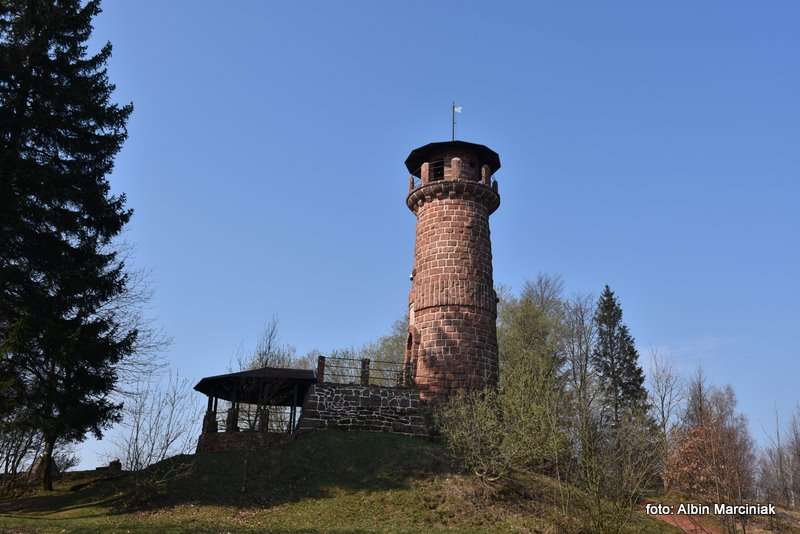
[686, 523]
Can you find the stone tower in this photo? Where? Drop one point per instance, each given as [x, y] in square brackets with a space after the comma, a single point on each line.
[452, 338]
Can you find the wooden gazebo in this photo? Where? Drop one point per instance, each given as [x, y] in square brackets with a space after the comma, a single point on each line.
[258, 389]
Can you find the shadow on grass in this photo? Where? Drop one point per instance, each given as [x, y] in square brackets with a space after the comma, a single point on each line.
[313, 466]
[97, 492]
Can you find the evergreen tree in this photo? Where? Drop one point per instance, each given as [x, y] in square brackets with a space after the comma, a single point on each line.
[616, 361]
[63, 332]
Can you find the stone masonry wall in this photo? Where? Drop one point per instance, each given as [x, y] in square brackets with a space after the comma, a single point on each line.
[238, 441]
[355, 407]
[452, 301]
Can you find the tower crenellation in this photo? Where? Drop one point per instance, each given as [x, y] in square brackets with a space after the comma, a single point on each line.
[452, 339]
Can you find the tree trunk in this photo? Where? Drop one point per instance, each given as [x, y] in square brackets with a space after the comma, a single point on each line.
[47, 461]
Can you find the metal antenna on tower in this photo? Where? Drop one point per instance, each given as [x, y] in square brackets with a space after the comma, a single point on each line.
[455, 109]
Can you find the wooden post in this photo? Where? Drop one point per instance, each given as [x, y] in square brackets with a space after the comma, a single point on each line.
[210, 418]
[261, 410]
[320, 369]
[293, 411]
[365, 372]
[232, 419]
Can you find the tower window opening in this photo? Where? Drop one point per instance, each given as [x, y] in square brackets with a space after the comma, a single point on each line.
[437, 170]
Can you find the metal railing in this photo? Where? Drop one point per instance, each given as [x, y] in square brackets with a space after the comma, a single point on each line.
[389, 373]
[360, 371]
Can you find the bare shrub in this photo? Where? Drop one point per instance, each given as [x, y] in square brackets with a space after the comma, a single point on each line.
[474, 433]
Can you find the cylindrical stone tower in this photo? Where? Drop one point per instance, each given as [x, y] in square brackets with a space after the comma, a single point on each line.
[452, 338]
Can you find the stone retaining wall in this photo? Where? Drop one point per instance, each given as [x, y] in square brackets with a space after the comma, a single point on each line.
[374, 408]
[238, 441]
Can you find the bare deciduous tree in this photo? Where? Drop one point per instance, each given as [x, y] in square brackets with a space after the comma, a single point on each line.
[160, 421]
[578, 344]
[268, 352]
[666, 391]
[713, 455]
[20, 449]
[779, 464]
[793, 451]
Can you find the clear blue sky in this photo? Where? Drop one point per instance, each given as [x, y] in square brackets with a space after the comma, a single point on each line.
[653, 147]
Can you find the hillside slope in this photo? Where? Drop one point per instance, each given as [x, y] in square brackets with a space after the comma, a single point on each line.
[323, 482]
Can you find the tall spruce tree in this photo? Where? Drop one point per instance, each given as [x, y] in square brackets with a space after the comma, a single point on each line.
[62, 335]
[616, 361]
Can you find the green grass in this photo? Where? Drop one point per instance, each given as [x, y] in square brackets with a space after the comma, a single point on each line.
[333, 482]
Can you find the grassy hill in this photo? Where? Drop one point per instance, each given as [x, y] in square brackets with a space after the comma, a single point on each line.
[322, 482]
